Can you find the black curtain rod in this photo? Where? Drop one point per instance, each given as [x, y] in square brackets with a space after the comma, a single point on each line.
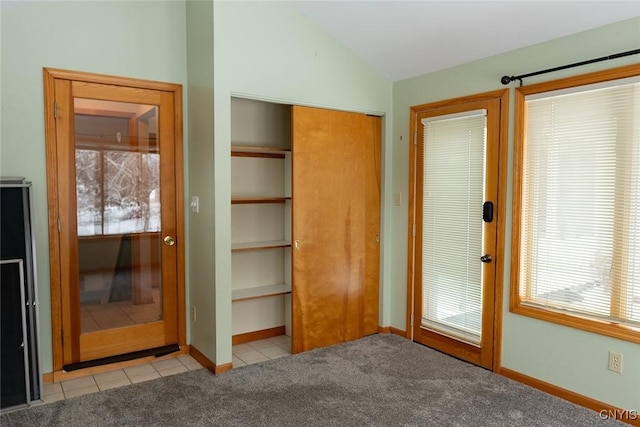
[505, 80]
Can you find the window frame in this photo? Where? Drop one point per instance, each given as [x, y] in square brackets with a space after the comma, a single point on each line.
[574, 320]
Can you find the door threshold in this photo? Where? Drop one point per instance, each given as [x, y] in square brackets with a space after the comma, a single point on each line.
[157, 352]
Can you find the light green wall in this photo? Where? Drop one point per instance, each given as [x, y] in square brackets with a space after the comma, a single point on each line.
[562, 356]
[134, 39]
[201, 268]
[267, 50]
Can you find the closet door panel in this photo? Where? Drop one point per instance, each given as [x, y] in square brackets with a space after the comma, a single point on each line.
[332, 281]
[372, 238]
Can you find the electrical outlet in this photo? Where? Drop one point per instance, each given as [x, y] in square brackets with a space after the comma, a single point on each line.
[193, 313]
[195, 204]
[615, 362]
[397, 199]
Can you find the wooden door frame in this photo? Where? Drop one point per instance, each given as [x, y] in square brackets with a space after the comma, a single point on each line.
[49, 76]
[503, 96]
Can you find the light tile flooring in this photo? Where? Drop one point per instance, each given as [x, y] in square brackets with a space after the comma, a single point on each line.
[97, 313]
[119, 378]
[261, 350]
[243, 354]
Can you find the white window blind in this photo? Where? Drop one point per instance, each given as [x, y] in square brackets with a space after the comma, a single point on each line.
[453, 186]
[580, 223]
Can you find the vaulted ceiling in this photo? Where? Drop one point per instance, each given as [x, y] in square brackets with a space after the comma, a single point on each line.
[403, 39]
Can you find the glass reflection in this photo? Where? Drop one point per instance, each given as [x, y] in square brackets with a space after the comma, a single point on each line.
[118, 213]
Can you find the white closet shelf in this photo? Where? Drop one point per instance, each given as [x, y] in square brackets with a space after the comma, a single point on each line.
[258, 199]
[248, 150]
[252, 246]
[260, 292]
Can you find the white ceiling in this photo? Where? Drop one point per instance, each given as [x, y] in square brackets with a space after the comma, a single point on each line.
[402, 39]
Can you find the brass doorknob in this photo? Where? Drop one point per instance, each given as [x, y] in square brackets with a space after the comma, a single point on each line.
[169, 241]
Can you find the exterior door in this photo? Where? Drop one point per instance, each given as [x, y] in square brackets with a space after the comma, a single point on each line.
[115, 208]
[336, 221]
[456, 206]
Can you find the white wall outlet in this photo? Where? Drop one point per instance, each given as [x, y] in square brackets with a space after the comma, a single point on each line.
[615, 362]
[397, 199]
[193, 313]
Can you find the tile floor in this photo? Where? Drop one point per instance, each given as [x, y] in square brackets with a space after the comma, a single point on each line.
[98, 313]
[118, 378]
[243, 354]
[261, 350]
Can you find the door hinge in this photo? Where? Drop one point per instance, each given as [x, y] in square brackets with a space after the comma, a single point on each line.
[413, 232]
[412, 320]
[55, 110]
[415, 138]
[59, 224]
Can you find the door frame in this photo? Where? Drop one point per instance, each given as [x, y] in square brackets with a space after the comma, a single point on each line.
[502, 96]
[49, 77]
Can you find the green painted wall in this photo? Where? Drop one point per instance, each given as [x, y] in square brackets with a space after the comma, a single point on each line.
[568, 358]
[269, 51]
[201, 268]
[134, 39]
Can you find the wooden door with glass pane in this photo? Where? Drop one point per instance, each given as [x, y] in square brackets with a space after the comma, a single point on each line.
[116, 210]
[455, 248]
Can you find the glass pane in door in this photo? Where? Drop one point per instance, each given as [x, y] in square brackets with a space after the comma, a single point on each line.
[452, 229]
[118, 214]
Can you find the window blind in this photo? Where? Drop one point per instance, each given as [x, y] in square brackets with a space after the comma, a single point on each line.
[580, 223]
[453, 185]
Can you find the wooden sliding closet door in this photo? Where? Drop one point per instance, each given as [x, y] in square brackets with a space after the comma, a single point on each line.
[336, 221]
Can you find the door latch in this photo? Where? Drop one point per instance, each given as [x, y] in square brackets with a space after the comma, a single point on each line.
[485, 258]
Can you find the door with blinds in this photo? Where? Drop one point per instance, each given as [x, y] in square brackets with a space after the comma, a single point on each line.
[455, 218]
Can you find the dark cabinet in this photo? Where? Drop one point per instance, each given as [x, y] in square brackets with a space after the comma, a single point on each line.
[20, 378]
